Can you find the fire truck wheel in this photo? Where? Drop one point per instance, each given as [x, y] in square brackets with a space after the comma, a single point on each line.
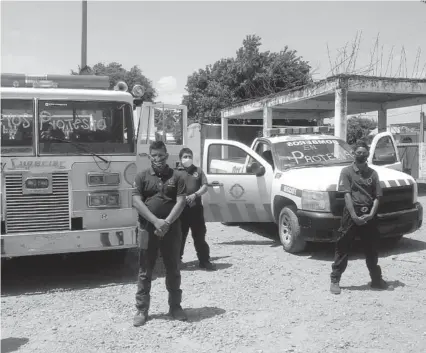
[289, 231]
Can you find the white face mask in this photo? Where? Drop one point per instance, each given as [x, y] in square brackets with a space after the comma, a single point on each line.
[187, 162]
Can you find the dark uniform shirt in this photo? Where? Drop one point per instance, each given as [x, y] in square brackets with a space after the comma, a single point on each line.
[194, 179]
[159, 192]
[363, 185]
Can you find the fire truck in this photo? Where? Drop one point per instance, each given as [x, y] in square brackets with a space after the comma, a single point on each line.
[68, 163]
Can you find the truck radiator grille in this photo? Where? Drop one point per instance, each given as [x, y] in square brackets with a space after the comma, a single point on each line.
[37, 213]
[394, 199]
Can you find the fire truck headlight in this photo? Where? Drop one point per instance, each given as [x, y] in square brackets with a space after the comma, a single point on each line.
[97, 179]
[108, 199]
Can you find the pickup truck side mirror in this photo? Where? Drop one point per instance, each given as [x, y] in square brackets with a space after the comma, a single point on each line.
[256, 169]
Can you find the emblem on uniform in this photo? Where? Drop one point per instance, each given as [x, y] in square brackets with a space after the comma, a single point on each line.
[237, 191]
[369, 181]
[364, 209]
[195, 175]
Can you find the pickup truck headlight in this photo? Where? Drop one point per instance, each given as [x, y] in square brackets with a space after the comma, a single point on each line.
[318, 201]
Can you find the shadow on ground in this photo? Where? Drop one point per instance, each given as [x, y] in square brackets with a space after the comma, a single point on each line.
[194, 314]
[265, 230]
[366, 287]
[193, 265]
[12, 344]
[268, 235]
[40, 274]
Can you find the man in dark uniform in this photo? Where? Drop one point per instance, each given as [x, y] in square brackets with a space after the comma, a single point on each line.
[192, 216]
[362, 189]
[159, 197]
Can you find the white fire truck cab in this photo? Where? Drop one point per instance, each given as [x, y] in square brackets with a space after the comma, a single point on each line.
[68, 164]
[291, 179]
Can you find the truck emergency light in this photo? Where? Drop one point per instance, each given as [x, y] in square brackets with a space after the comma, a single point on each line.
[300, 130]
[55, 81]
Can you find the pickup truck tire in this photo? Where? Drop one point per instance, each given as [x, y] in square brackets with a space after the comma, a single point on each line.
[289, 231]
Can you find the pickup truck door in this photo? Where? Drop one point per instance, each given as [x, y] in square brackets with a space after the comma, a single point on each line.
[383, 151]
[239, 183]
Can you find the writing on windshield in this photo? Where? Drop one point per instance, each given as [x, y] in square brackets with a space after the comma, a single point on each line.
[305, 152]
[17, 122]
[101, 126]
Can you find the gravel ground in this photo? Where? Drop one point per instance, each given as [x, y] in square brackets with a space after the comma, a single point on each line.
[260, 299]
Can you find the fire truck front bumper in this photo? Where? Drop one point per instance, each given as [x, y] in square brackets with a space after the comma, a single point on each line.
[26, 244]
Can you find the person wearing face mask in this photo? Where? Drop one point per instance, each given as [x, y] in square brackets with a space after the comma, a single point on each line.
[361, 186]
[192, 216]
[159, 197]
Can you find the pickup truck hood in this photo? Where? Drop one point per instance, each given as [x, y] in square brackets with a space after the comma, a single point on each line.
[327, 178]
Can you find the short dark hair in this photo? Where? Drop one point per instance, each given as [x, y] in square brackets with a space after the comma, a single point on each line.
[157, 145]
[361, 144]
[185, 150]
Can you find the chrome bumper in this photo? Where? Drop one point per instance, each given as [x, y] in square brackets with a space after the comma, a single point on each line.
[26, 244]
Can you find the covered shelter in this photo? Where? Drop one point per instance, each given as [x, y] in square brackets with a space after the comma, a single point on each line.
[336, 96]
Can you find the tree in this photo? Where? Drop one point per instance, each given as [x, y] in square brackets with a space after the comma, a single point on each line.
[359, 128]
[251, 74]
[116, 72]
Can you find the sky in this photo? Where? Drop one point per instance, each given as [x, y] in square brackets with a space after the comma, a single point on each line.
[169, 40]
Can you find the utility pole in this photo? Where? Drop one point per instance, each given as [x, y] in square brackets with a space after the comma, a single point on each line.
[422, 127]
[84, 36]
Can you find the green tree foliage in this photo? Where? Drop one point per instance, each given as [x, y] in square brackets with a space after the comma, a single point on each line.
[116, 72]
[359, 128]
[251, 74]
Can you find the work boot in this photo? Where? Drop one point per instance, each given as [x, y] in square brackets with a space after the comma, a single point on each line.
[335, 288]
[140, 318]
[177, 313]
[207, 265]
[379, 284]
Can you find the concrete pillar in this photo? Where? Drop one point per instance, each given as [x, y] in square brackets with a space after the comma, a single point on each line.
[224, 135]
[382, 120]
[340, 113]
[267, 120]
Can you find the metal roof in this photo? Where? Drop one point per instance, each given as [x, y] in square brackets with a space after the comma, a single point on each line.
[317, 100]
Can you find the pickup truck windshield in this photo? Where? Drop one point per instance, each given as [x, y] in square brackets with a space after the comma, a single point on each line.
[101, 127]
[308, 152]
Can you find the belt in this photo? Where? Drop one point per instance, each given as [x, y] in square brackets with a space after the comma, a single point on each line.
[362, 209]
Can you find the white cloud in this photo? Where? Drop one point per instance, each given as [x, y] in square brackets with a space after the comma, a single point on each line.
[166, 84]
[170, 98]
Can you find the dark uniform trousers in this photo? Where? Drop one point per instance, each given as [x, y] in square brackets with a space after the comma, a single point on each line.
[369, 237]
[169, 246]
[193, 218]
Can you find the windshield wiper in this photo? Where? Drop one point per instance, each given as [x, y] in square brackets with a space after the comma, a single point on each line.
[75, 144]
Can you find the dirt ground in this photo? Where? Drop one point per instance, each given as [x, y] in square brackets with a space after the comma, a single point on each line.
[260, 299]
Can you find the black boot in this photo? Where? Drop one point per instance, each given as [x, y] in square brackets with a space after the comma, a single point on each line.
[140, 318]
[207, 265]
[377, 281]
[177, 313]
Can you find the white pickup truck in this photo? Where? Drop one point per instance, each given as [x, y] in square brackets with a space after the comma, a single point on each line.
[292, 180]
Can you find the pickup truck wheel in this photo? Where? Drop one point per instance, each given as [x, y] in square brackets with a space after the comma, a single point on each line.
[289, 231]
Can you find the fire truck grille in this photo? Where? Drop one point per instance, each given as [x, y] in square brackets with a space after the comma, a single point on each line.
[37, 213]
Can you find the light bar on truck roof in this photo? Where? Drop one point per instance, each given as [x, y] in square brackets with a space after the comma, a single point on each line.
[300, 130]
[55, 81]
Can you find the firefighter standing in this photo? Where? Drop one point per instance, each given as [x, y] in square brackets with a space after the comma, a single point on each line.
[192, 216]
[159, 197]
[362, 189]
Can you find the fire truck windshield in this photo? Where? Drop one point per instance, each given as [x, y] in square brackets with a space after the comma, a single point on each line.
[102, 127]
